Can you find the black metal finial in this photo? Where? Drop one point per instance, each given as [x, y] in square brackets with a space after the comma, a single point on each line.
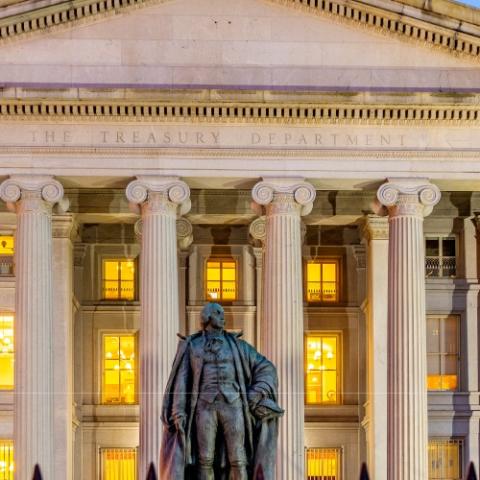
[364, 472]
[151, 475]
[37, 474]
[471, 474]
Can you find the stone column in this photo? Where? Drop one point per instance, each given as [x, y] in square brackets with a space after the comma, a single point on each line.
[63, 228]
[258, 234]
[375, 232]
[159, 199]
[407, 201]
[285, 200]
[32, 198]
[184, 240]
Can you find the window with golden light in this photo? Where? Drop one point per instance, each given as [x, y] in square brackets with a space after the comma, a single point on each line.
[221, 279]
[119, 369]
[7, 248]
[322, 280]
[119, 463]
[6, 352]
[119, 279]
[443, 352]
[324, 463]
[445, 459]
[322, 368]
[6, 460]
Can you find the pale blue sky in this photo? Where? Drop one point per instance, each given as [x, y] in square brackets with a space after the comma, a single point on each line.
[474, 3]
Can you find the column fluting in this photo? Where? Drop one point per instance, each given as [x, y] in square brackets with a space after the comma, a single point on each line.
[160, 199]
[285, 200]
[32, 198]
[407, 201]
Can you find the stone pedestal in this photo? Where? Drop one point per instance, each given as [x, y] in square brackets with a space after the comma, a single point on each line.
[160, 199]
[285, 200]
[32, 198]
[63, 226]
[407, 202]
[376, 236]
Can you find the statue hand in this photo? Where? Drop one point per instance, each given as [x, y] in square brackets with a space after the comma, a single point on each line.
[253, 398]
[179, 422]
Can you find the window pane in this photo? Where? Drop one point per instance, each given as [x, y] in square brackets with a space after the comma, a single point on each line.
[6, 460]
[119, 464]
[6, 245]
[450, 335]
[322, 281]
[119, 374]
[6, 352]
[321, 363]
[432, 248]
[323, 463]
[448, 247]
[127, 270]
[119, 279]
[444, 459]
[111, 269]
[221, 280]
[433, 335]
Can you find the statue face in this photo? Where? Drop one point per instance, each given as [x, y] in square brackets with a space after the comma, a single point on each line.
[216, 316]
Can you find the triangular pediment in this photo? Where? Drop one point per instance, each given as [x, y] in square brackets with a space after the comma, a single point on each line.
[242, 44]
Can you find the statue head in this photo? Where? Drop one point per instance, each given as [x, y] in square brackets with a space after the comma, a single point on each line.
[213, 315]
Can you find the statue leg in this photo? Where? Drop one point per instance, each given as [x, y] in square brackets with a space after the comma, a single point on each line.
[233, 423]
[206, 426]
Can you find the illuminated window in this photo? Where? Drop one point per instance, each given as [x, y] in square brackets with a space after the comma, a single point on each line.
[322, 362]
[445, 459]
[7, 243]
[119, 369]
[6, 352]
[322, 280]
[440, 257]
[119, 463]
[221, 279]
[443, 352]
[324, 463]
[6, 460]
[119, 279]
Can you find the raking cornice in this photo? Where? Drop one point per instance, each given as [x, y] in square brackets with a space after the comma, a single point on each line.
[441, 32]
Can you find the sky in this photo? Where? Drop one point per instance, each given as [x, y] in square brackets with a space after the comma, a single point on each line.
[473, 3]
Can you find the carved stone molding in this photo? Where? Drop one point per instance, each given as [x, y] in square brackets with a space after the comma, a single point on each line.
[31, 193]
[375, 227]
[284, 195]
[152, 194]
[360, 256]
[184, 233]
[417, 26]
[408, 196]
[64, 226]
[79, 252]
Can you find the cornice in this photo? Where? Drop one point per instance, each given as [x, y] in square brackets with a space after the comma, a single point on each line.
[258, 112]
[414, 24]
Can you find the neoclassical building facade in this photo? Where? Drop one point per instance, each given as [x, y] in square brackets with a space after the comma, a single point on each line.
[313, 166]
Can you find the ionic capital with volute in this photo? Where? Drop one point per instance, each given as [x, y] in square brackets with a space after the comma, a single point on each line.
[33, 193]
[258, 231]
[284, 196]
[159, 194]
[184, 233]
[407, 197]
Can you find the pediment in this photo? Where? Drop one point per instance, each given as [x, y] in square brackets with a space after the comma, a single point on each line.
[242, 44]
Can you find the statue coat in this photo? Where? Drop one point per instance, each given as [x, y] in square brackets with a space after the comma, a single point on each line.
[254, 373]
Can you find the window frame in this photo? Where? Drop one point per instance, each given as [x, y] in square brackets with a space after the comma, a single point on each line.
[106, 258]
[221, 259]
[461, 443]
[340, 455]
[325, 333]
[101, 350]
[458, 353]
[440, 237]
[339, 280]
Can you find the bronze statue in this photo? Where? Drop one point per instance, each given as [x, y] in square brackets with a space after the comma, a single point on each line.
[220, 410]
